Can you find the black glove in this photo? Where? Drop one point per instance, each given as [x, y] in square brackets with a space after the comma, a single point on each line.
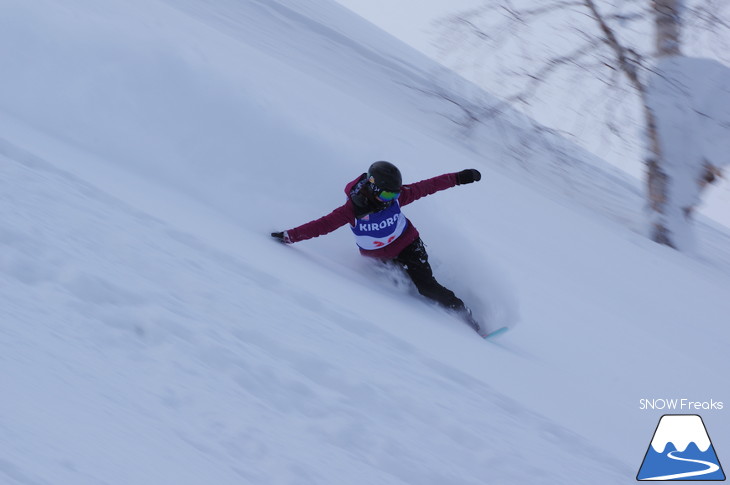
[468, 176]
[282, 237]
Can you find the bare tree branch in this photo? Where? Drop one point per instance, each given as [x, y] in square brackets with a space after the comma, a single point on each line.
[521, 14]
[541, 76]
[626, 58]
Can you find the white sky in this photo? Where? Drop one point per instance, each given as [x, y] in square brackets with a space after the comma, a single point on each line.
[409, 20]
[412, 21]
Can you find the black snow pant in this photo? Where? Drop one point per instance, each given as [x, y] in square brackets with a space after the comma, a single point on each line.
[414, 261]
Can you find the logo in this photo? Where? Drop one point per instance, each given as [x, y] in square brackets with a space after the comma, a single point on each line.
[680, 404]
[681, 450]
[374, 226]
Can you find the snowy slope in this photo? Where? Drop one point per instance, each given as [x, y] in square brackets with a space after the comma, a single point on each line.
[152, 332]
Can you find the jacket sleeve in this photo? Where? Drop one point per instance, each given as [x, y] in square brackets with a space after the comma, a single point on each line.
[412, 192]
[344, 214]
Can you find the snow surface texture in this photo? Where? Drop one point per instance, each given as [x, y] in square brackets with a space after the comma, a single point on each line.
[151, 332]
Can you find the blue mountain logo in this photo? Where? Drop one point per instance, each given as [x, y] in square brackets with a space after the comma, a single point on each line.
[681, 450]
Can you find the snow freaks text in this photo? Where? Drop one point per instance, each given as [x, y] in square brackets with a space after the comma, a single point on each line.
[680, 405]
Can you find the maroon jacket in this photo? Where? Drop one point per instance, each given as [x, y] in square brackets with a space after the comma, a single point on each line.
[345, 214]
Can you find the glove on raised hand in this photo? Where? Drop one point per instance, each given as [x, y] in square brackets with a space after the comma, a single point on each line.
[282, 237]
[468, 176]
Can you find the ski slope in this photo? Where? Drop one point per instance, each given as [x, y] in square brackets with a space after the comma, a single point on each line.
[152, 332]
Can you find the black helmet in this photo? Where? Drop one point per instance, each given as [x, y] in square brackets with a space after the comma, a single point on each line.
[385, 176]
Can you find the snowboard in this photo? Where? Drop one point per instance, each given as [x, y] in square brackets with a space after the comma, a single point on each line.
[480, 328]
[495, 333]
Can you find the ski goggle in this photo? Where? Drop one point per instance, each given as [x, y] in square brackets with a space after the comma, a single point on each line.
[387, 196]
[383, 195]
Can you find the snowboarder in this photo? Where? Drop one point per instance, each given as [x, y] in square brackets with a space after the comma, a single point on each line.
[373, 211]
